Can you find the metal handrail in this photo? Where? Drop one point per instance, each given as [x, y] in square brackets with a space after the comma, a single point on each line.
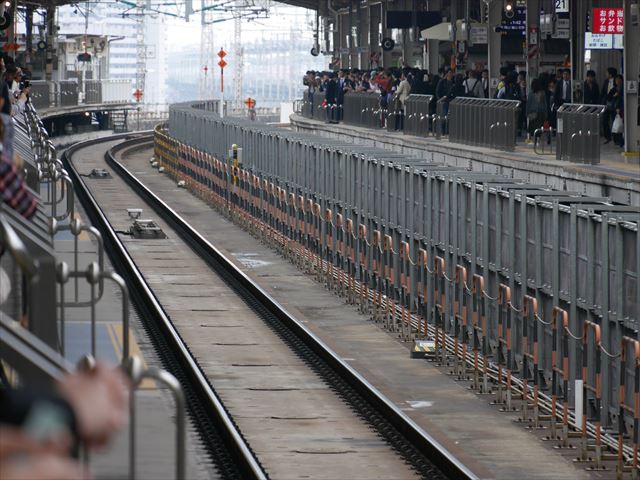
[10, 240]
[537, 134]
[134, 368]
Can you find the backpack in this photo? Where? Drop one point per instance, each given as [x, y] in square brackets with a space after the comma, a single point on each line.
[471, 93]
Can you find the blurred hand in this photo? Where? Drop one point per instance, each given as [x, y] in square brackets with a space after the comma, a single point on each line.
[42, 467]
[99, 399]
[15, 441]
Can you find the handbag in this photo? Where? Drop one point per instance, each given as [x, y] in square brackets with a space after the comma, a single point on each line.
[618, 125]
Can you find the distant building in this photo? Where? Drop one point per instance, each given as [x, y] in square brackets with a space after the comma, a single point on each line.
[106, 20]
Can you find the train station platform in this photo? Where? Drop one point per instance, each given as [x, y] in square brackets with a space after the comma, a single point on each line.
[616, 176]
[491, 443]
[155, 422]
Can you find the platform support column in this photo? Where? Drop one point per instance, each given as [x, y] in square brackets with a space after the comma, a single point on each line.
[494, 47]
[364, 18]
[374, 32]
[578, 14]
[51, 33]
[632, 79]
[29, 34]
[386, 57]
[533, 39]
[343, 32]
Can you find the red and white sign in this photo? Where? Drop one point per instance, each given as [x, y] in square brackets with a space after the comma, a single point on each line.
[608, 20]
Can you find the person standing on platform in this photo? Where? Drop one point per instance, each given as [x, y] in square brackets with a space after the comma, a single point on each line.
[606, 96]
[536, 108]
[563, 89]
[617, 103]
[473, 86]
[331, 98]
[591, 95]
[485, 82]
[402, 93]
[552, 108]
[443, 89]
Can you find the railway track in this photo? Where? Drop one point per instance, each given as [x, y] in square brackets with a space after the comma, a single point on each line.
[226, 432]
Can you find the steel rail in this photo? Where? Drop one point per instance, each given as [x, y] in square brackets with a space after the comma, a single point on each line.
[411, 434]
[229, 451]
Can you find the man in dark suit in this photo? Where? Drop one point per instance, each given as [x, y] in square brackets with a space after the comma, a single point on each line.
[331, 97]
[485, 82]
[563, 89]
[591, 95]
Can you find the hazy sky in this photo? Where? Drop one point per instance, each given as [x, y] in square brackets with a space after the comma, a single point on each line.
[280, 20]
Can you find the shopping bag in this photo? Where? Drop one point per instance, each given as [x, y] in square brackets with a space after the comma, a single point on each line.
[618, 125]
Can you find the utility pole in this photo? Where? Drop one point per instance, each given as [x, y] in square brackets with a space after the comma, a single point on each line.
[141, 50]
[207, 52]
[237, 56]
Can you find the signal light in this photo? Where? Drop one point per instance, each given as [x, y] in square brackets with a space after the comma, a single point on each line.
[509, 9]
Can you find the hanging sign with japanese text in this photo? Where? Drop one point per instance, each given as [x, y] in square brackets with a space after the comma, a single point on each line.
[608, 20]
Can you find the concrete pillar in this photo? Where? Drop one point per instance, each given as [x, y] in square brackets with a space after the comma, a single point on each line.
[632, 79]
[533, 39]
[578, 14]
[343, 31]
[360, 21]
[374, 32]
[494, 47]
[455, 14]
[353, 33]
[51, 35]
[337, 37]
[364, 19]
[386, 56]
[433, 56]
[29, 33]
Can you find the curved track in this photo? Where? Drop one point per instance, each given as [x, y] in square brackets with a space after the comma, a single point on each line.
[306, 356]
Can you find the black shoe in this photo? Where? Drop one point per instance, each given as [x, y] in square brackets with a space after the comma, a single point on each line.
[607, 141]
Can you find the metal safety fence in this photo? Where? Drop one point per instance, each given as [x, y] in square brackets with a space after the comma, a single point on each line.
[530, 293]
[313, 105]
[484, 122]
[417, 117]
[107, 91]
[40, 94]
[68, 93]
[363, 109]
[578, 133]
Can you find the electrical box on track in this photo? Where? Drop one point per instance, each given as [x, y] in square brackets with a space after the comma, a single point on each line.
[423, 349]
[99, 173]
[148, 229]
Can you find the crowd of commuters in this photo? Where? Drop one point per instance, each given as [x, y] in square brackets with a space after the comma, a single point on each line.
[541, 97]
[41, 427]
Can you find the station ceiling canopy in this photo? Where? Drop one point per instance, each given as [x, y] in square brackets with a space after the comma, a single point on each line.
[310, 4]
